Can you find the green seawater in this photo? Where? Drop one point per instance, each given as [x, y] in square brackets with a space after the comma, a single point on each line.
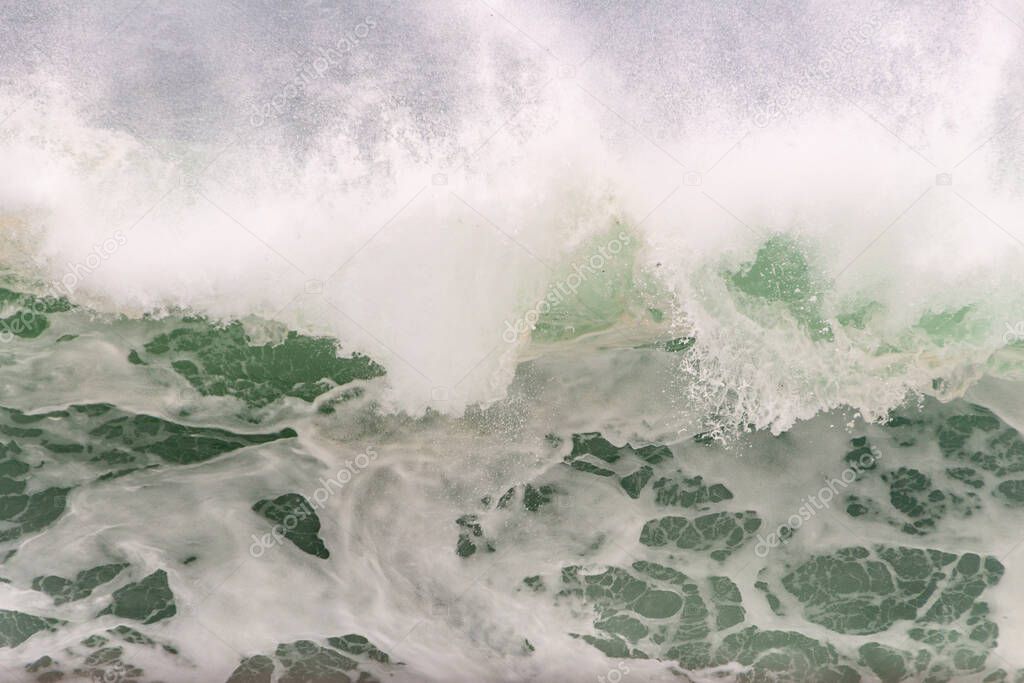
[253, 496]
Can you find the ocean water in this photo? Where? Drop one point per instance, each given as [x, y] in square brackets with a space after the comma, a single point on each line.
[511, 341]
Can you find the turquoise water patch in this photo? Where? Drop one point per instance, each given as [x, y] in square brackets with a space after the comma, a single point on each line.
[780, 275]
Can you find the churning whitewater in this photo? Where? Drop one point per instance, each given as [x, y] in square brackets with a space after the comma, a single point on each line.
[512, 341]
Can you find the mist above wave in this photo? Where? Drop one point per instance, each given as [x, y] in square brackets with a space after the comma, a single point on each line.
[416, 181]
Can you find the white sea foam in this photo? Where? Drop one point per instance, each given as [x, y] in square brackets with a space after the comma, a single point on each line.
[435, 184]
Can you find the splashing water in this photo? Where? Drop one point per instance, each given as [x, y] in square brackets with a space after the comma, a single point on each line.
[511, 341]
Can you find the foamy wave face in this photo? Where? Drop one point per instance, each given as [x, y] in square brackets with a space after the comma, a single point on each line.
[414, 181]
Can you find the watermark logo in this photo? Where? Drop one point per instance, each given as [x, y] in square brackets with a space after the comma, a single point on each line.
[317, 65]
[22, 322]
[1014, 333]
[319, 498]
[822, 500]
[565, 288]
[25, 320]
[616, 674]
[823, 70]
[115, 674]
[78, 271]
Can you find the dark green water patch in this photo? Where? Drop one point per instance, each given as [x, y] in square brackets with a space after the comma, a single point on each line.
[592, 453]
[471, 537]
[107, 436]
[655, 611]
[102, 656]
[533, 497]
[917, 502]
[149, 600]
[23, 514]
[256, 669]
[109, 442]
[719, 534]
[911, 493]
[294, 518]
[340, 659]
[222, 361]
[647, 611]
[783, 656]
[859, 591]
[976, 436]
[689, 492]
[17, 627]
[27, 316]
[774, 603]
[357, 645]
[1011, 492]
[176, 443]
[69, 590]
